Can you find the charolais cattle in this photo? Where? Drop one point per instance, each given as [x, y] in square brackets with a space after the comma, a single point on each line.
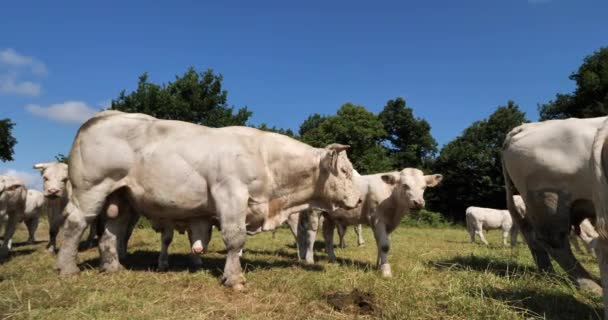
[13, 195]
[479, 219]
[387, 198]
[178, 171]
[35, 205]
[587, 233]
[548, 163]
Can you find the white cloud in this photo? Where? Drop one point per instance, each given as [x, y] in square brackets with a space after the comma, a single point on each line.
[10, 85]
[31, 180]
[69, 111]
[12, 58]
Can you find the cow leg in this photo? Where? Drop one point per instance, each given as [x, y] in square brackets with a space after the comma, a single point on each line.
[292, 222]
[75, 224]
[166, 237]
[231, 204]
[32, 226]
[92, 233]
[199, 234]
[308, 225]
[553, 210]
[359, 233]
[383, 244]
[341, 232]
[133, 218]
[328, 236]
[514, 232]
[479, 232]
[601, 249]
[505, 235]
[9, 231]
[55, 219]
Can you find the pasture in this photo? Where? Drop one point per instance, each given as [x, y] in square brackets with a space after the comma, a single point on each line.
[438, 274]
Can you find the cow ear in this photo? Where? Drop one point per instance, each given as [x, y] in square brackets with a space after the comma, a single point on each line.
[337, 147]
[41, 166]
[433, 180]
[389, 178]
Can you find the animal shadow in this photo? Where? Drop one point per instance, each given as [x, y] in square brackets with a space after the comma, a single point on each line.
[547, 305]
[25, 243]
[16, 253]
[484, 264]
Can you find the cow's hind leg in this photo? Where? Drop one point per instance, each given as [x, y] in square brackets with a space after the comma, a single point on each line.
[308, 224]
[341, 232]
[80, 214]
[231, 204]
[479, 231]
[166, 237]
[553, 210]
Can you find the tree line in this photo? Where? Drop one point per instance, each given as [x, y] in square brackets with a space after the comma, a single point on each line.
[390, 140]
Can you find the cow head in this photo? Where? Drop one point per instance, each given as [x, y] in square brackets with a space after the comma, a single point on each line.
[339, 189]
[12, 192]
[410, 184]
[55, 178]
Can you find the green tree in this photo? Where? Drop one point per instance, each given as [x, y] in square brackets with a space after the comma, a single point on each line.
[194, 97]
[409, 139]
[590, 98]
[471, 165]
[353, 125]
[7, 141]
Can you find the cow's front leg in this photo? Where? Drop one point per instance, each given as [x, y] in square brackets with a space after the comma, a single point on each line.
[55, 221]
[9, 231]
[328, 235]
[359, 233]
[341, 232]
[166, 237]
[384, 245]
[231, 204]
[32, 225]
[308, 224]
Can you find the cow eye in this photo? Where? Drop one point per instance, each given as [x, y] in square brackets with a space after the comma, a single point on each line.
[45, 179]
[64, 180]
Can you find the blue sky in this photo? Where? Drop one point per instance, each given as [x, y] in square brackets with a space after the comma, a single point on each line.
[453, 61]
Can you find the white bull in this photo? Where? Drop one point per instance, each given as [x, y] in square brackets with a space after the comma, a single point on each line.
[177, 171]
[548, 163]
[13, 195]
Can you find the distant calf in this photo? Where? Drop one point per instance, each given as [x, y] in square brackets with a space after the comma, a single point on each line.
[479, 219]
[12, 206]
[34, 206]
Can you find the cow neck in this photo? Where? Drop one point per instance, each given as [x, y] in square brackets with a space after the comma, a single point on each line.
[57, 204]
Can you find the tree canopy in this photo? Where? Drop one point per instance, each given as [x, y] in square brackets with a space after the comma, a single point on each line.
[410, 142]
[195, 97]
[7, 141]
[471, 165]
[355, 126]
[590, 98]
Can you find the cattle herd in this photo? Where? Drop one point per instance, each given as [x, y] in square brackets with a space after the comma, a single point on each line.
[243, 181]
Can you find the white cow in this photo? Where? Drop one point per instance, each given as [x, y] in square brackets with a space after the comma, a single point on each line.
[178, 171]
[478, 219]
[548, 163]
[34, 207]
[55, 184]
[587, 233]
[387, 198]
[13, 195]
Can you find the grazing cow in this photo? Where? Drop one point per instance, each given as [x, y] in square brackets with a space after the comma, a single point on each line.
[548, 163]
[479, 219]
[13, 195]
[387, 197]
[586, 232]
[177, 171]
[34, 206]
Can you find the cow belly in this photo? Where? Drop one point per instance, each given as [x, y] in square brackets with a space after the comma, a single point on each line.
[492, 222]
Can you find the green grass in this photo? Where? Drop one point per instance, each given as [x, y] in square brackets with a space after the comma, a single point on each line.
[437, 274]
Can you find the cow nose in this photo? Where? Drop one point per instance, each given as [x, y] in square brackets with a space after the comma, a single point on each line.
[418, 204]
[53, 191]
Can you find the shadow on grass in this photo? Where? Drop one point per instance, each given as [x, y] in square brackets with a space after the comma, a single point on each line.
[484, 264]
[16, 253]
[547, 305]
[318, 246]
[25, 243]
[144, 260]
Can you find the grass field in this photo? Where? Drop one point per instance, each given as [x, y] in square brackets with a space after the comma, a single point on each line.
[438, 274]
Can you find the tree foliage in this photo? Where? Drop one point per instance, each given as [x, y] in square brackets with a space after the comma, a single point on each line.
[355, 126]
[590, 98]
[7, 141]
[194, 97]
[410, 142]
[471, 165]
[265, 127]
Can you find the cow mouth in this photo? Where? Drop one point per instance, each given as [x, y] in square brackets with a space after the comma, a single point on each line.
[52, 196]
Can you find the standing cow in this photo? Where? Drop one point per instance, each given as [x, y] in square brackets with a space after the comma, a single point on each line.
[178, 171]
[387, 198]
[548, 163]
[13, 195]
[478, 219]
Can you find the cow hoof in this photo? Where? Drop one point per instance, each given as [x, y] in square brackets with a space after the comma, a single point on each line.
[589, 285]
[309, 261]
[362, 244]
[69, 270]
[238, 287]
[50, 250]
[112, 268]
[385, 270]
[237, 283]
[163, 267]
